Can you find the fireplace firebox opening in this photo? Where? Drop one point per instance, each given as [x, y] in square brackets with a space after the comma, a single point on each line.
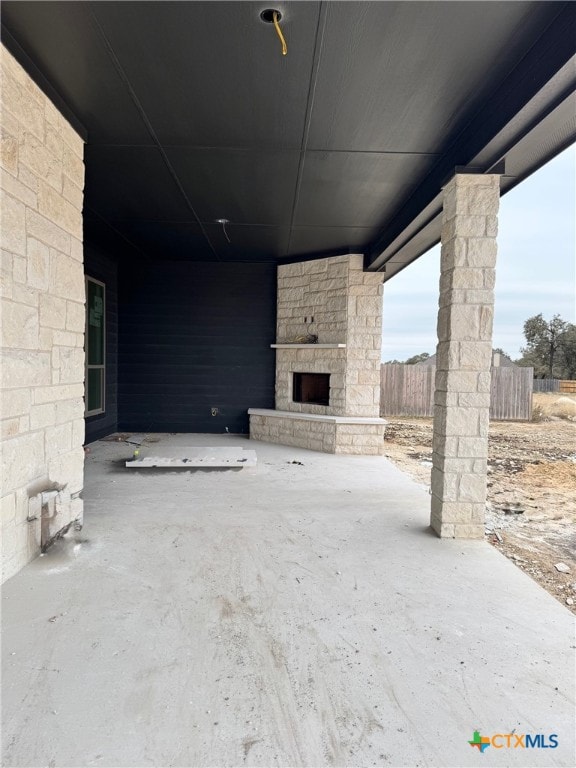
[313, 388]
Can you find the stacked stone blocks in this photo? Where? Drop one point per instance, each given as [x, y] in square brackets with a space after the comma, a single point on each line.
[346, 304]
[464, 354]
[340, 303]
[361, 437]
[42, 319]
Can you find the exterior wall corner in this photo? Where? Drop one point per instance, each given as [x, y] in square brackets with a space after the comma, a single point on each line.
[42, 319]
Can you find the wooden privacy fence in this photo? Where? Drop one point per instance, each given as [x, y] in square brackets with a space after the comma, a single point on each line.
[408, 390]
[511, 394]
[546, 385]
[567, 386]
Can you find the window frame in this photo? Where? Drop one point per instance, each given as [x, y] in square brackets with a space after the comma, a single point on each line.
[90, 367]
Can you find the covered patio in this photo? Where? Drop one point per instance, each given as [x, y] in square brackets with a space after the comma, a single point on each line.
[300, 615]
[196, 227]
[195, 233]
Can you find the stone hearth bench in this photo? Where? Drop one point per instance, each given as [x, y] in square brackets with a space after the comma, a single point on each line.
[329, 434]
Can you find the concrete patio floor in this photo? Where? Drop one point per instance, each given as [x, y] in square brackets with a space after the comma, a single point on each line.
[299, 616]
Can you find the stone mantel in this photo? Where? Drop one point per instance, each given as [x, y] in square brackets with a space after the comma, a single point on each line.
[288, 345]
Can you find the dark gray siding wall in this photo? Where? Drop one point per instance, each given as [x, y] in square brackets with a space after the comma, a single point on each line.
[104, 268]
[195, 336]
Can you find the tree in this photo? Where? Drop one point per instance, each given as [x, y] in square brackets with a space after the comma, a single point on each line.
[411, 360]
[550, 347]
[418, 358]
[568, 352]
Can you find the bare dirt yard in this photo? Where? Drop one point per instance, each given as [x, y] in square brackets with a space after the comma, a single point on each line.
[531, 511]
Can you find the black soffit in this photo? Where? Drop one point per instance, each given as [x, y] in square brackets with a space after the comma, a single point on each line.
[192, 114]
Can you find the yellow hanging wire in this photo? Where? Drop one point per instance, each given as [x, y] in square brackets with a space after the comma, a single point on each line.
[280, 35]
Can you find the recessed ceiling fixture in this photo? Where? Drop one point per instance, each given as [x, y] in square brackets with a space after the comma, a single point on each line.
[223, 222]
[272, 16]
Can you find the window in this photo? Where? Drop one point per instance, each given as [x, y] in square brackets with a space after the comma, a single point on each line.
[95, 346]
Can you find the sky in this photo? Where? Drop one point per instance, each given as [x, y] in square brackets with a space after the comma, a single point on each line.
[535, 270]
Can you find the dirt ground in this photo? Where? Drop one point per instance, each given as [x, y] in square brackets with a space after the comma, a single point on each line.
[531, 511]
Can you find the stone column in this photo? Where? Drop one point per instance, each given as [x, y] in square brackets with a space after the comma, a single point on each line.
[464, 354]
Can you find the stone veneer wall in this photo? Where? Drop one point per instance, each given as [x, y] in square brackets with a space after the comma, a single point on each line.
[42, 319]
[346, 304]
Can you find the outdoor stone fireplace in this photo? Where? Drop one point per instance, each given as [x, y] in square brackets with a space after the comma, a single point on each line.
[327, 390]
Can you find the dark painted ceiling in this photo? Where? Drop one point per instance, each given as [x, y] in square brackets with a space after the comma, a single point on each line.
[191, 114]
